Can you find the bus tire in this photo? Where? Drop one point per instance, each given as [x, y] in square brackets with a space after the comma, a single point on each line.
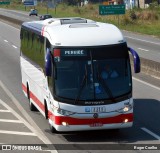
[52, 129]
[46, 110]
[31, 106]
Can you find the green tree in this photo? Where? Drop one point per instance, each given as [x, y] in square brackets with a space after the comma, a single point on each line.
[71, 2]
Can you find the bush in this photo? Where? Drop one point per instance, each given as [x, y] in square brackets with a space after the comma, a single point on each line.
[153, 5]
[126, 19]
[133, 15]
[71, 2]
[77, 10]
[147, 15]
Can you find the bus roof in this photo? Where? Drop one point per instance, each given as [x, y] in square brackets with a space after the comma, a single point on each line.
[76, 32]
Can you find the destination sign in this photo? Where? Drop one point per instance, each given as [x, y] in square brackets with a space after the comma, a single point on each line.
[73, 52]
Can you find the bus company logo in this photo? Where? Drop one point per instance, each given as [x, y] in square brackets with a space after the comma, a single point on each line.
[95, 115]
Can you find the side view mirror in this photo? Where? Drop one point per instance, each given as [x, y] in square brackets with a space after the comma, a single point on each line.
[136, 60]
[48, 64]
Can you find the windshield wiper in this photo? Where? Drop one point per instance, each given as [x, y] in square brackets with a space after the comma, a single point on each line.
[82, 85]
[105, 86]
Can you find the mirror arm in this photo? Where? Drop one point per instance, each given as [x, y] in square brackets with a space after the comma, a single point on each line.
[136, 60]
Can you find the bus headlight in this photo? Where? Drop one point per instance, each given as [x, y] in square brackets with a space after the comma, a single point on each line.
[125, 109]
[64, 112]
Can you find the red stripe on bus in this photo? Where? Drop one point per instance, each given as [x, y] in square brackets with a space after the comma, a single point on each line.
[37, 101]
[34, 98]
[76, 121]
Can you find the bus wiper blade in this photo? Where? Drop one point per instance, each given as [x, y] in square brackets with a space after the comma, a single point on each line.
[82, 85]
[105, 86]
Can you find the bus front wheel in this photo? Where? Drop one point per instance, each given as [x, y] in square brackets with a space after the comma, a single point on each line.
[52, 129]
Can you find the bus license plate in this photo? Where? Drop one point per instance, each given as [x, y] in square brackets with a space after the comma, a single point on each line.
[96, 125]
[98, 109]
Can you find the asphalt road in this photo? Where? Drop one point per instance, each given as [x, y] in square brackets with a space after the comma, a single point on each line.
[32, 128]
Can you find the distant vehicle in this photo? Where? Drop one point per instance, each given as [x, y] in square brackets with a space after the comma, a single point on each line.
[46, 16]
[33, 12]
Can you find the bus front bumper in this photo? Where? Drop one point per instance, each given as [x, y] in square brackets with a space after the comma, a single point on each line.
[63, 123]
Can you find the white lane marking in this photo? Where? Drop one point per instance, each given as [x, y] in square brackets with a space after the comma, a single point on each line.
[36, 129]
[151, 133]
[17, 115]
[143, 40]
[10, 43]
[143, 49]
[144, 129]
[4, 111]
[17, 133]
[10, 121]
[148, 84]
[5, 40]
[14, 46]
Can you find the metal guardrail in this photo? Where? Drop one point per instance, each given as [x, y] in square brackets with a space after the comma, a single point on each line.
[149, 67]
[12, 20]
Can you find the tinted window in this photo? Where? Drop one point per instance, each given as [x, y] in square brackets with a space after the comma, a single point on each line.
[32, 47]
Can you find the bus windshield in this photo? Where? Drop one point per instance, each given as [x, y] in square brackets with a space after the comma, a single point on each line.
[92, 74]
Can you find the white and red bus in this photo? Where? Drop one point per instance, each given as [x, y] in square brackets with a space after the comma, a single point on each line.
[77, 73]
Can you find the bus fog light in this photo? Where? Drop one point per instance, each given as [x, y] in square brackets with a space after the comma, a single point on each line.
[64, 123]
[126, 120]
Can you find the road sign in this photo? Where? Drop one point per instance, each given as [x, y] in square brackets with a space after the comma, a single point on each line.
[30, 2]
[5, 3]
[111, 9]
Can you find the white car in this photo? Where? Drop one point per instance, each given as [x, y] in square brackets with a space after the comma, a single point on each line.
[33, 12]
